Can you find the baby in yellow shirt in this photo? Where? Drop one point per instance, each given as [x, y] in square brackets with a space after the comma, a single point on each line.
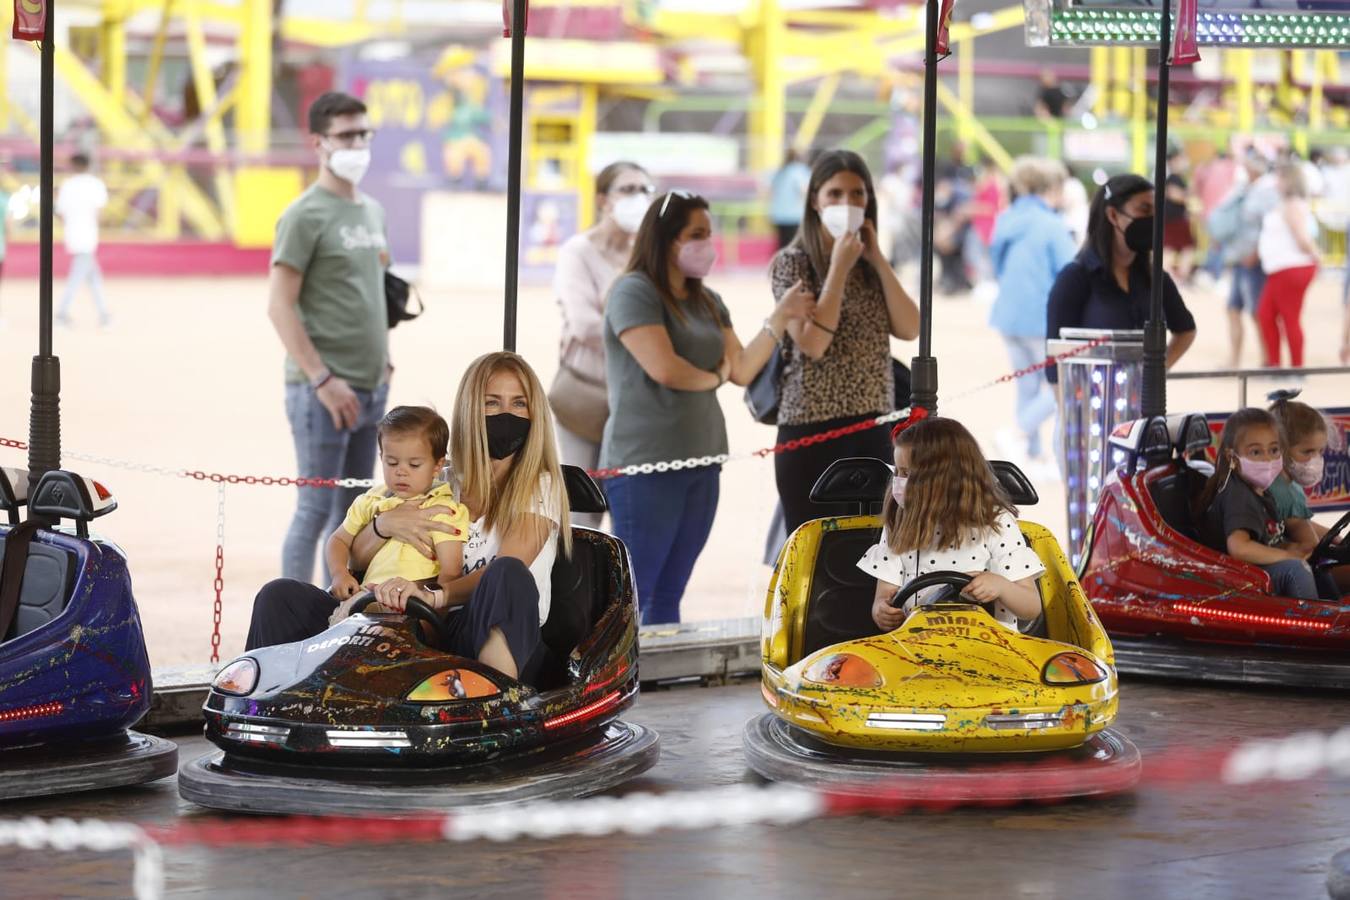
[412, 441]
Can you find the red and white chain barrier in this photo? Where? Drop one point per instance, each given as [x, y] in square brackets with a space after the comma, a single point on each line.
[1296, 757]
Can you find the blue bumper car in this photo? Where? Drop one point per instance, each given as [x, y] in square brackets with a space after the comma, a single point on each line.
[74, 674]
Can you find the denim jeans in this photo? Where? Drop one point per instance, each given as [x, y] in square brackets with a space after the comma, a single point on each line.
[1248, 283]
[84, 267]
[1292, 578]
[664, 518]
[1035, 399]
[322, 451]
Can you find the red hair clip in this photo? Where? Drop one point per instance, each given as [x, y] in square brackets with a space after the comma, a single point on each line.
[916, 414]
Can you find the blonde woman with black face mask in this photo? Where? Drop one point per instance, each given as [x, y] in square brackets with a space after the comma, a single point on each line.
[505, 462]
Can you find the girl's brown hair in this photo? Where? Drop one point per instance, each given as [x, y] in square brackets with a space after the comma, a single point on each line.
[666, 218]
[1233, 430]
[811, 234]
[952, 493]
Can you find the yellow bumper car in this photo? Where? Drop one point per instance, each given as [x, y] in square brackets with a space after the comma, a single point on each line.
[952, 692]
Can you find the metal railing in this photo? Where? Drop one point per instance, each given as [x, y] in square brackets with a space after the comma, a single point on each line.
[1244, 376]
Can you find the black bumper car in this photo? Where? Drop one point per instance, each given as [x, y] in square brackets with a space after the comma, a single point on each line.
[366, 718]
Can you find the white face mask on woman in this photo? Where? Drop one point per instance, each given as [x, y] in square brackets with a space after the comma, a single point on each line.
[842, 218]
[629, 211]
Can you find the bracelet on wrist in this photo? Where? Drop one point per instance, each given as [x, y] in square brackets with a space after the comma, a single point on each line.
[825, 328]
[321, 379]
[769, 329]
[375, 527]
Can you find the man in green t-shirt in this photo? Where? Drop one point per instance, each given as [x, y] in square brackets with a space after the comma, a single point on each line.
[326, 301]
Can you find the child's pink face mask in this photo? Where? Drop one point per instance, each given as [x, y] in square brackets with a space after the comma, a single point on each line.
[1260, 473]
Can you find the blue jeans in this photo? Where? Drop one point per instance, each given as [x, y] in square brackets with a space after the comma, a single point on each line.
[1035, 400]
[1292, 578]
[84, 267]
[664, 518]
[322, 451]
[1248, 282]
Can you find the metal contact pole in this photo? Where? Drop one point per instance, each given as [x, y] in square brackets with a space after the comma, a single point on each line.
[44, 421]
[518, 15]
[1153, 392]
[924, 366]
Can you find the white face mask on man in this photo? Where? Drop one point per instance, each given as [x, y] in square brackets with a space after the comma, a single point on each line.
[350, 164]
[842, 218]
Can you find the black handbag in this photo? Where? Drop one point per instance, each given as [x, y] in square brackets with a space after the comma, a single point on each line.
[902, 383]
[763, 394]
[397, 293]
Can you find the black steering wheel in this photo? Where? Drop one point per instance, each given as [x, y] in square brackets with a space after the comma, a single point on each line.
[1331, 550]
[957, 580]
[415, 609]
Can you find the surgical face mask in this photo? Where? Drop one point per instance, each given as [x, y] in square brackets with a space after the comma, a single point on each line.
[1260, 474]
[629, 211]
[350, 165]
[506, 433]
[842, 218]
[1310, 473]
[898, 489]
[696, 258]
[1139, 234]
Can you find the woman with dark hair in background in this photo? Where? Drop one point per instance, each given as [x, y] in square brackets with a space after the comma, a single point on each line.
[838, 363]
[668, 347]
[588, 263]
[1109, 283]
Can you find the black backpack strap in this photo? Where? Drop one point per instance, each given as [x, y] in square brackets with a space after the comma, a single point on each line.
[17, 542]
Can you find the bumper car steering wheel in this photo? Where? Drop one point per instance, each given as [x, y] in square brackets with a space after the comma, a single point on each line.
[957, 581]
[414, 609]
[1331, 550]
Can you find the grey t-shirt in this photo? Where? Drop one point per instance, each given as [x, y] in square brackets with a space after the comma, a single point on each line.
[336, 245]
[647, 422]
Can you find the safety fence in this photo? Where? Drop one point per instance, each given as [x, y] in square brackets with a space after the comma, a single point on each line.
[222, 479]
[1273, 761]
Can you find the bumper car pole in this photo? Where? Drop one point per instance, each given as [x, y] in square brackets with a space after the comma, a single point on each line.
[924, 366]
[44, 424]
[516, 30]
[1153, 391]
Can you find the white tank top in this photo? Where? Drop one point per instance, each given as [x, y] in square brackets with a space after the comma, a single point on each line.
[1277, 248]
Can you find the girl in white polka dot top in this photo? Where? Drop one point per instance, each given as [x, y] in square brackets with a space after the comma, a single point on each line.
[947, 513]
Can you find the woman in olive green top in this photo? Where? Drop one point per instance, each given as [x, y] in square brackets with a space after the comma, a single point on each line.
[668, 347]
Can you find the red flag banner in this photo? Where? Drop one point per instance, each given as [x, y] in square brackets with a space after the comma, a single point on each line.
[944, 21]
[506, 17]
[1185, 47]
[30, 20]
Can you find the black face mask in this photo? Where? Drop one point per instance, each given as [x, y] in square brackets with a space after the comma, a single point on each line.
[1139, 234]
[506, 434]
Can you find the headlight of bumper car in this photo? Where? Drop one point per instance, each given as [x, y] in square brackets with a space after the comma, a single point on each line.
[239, 678]
[1073, 668]
[452, 685]
[843, 670]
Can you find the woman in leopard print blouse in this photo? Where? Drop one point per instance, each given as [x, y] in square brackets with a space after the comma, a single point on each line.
[838, 363]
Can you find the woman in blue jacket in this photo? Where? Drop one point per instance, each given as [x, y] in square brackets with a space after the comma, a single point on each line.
[1030, 245]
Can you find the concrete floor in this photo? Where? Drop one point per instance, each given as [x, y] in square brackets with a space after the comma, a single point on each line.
[1160, 842]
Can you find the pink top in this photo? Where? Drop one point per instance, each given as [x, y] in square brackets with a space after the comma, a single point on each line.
[988, 203]
[580, 282]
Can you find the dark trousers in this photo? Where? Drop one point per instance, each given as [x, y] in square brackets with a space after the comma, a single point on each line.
[506, 597]
[664, 519]
[797, 471]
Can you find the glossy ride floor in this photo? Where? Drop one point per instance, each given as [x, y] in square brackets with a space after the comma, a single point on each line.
[1162, 841]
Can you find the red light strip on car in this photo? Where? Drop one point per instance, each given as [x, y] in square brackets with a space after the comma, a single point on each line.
[32, 712]
[1232, 615]
[586, 712]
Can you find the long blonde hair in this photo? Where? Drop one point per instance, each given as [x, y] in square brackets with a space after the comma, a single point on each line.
[504, 504]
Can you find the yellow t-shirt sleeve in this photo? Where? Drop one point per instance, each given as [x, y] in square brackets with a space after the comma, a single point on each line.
[362, 510]
[456, 514]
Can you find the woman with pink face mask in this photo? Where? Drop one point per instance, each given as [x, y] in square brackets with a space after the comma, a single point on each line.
[1304, 436]
[669, 346]
[1238, 512]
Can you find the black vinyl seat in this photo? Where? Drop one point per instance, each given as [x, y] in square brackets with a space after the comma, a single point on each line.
[1174, 495]
[840, 607]
[46, 588]
[583, 587]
